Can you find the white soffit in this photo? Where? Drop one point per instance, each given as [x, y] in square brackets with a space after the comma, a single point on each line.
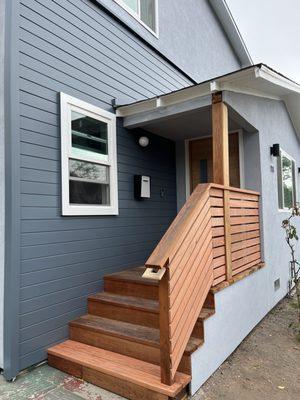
[258, 80]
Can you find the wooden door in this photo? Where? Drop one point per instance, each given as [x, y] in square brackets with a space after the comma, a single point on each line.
[201, 168]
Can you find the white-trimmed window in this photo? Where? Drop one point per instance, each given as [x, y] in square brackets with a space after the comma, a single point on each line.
[286, 181]
[89, 159]
[145, 11]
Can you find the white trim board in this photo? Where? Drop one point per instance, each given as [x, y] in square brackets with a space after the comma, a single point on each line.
[67, 104]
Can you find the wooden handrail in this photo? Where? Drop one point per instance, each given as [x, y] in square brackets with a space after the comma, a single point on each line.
[215, 236]
[173, 237]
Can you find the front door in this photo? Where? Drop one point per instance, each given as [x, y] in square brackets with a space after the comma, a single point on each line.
[201, 168]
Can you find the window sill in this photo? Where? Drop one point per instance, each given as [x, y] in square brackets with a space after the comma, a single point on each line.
[85, 211]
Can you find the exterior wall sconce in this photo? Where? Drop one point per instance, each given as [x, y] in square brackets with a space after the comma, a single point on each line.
[275, 150]
[144, 141]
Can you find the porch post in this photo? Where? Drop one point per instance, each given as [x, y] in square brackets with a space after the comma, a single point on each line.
[221, 168]
[220, 140]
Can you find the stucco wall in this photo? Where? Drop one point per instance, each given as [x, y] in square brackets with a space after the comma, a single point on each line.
[2, 211]
[189, 36]
[273, 123]
[241, 306]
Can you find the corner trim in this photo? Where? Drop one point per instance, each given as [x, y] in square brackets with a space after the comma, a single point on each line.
[12, 192]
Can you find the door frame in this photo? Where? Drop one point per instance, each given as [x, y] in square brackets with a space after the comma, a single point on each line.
[187, 159]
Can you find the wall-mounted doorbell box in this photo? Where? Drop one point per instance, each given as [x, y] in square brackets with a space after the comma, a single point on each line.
[142, 187]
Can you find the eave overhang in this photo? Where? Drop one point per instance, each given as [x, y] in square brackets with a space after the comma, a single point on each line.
[258, 80]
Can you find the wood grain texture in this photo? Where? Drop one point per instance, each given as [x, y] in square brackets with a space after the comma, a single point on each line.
[118, 366]
[220, 144]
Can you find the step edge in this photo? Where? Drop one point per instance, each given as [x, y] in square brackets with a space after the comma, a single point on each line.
[93, 298]
[167, 390]
[133, 339]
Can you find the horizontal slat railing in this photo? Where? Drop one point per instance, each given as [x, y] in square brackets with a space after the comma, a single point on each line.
[215, 236]
[243, 231]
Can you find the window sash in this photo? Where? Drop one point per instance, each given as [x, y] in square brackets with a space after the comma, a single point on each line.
[138, 16]
[68, 104]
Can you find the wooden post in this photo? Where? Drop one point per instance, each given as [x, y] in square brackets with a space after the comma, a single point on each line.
[164, 323]
[220, 140]
[221, 168]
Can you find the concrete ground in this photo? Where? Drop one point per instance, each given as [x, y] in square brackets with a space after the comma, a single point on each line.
[265, 366]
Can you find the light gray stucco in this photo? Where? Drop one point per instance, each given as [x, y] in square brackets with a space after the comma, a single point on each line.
[2, 212]
[190, 36]
[240, 307]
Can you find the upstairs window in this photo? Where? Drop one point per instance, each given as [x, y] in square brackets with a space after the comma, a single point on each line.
[286, 181]
[143, 10]
[88, 154]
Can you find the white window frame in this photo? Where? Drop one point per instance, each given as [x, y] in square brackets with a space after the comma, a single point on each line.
[279, 176]
[67, 104]
[137, 15]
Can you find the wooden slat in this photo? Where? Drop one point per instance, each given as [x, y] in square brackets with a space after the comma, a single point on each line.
[179, 228]
[243, 212]
[214, 237]
[220, 271]
[236, 203]
[182, 255]
[217, 212]
[245, 260]
[247, 266]
[217, 231]
[245, 243]
[244, 228]
[217, 221]
[238, 237]
[245, 252]
[218, 241]
[243, 196]
[185, 266]
[217, 262]
[244, 220]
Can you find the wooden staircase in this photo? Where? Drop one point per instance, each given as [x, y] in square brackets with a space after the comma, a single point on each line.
[139, 333]
[117, 344]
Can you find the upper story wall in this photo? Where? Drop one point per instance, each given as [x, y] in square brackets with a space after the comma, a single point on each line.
[189, 35]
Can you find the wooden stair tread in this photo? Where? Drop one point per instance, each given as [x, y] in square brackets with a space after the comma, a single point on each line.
[133, 275]
[126, 301]
[127, 331]
[123, 367]
[139, 303]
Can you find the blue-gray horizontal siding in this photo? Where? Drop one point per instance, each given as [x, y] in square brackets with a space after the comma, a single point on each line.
[72, 46]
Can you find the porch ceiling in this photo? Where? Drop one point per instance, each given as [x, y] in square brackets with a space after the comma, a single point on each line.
[187, 125]
[186, 113]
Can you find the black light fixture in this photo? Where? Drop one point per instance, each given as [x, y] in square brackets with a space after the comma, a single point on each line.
[298, 170]
[275, 150]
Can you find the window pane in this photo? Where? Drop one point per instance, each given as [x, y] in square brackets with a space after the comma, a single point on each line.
[148, 13]
[287, 182]
[88, 171]
[132, 4]
[89, 193]
[89, 136]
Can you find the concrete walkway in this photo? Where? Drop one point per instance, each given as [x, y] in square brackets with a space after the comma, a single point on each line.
[265, 366]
